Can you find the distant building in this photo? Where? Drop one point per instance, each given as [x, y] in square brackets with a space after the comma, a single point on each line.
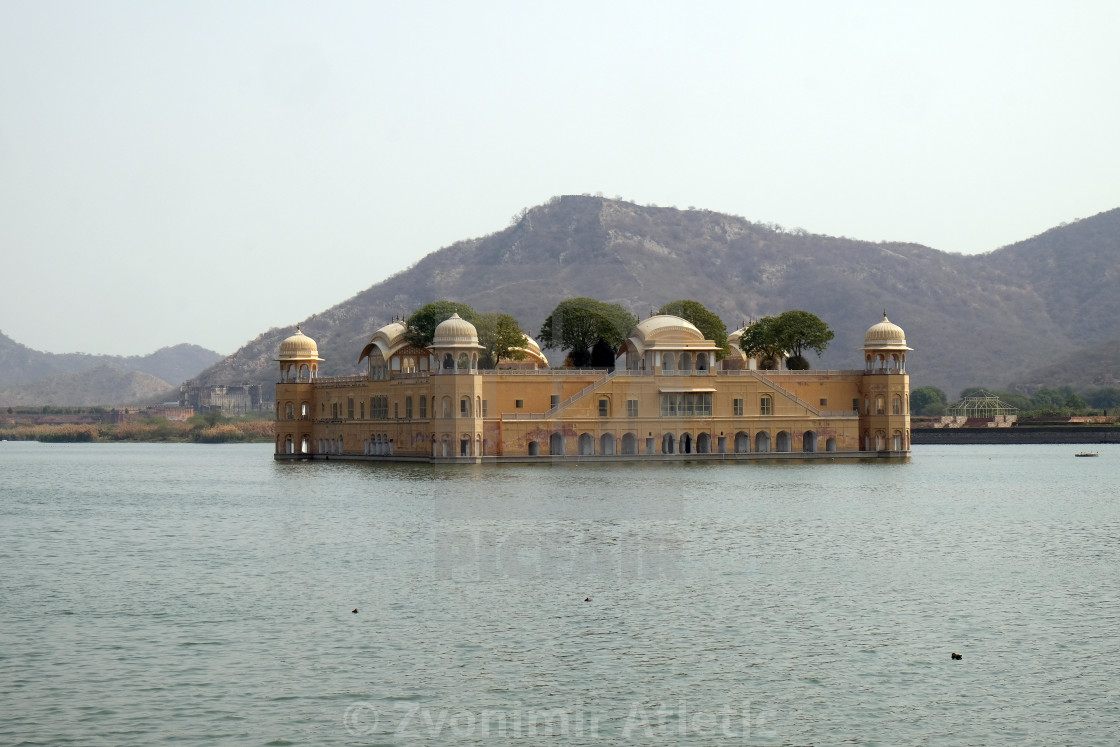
[229, 399]
[667, 398]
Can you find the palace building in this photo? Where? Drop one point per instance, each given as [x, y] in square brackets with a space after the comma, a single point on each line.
[666, 399]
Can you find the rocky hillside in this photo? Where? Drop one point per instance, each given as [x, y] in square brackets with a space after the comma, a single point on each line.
[32, 377]
[984, 319]
[100, 385]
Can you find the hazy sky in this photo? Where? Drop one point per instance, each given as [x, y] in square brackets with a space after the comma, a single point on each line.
[203, 171]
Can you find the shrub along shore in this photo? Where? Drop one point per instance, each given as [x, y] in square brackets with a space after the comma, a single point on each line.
[208, 428]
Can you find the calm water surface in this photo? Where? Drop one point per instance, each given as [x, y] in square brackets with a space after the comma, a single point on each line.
[203, 595]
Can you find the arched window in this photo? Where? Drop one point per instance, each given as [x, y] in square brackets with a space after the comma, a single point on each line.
[446, 407]
[448, 362]
[701, 362]
[686, 363]
[289, 411]
[304, 410]
[465, 407]
[879, 405]
[896, 405]
[464, 362]
[408, 407]
[668, 363]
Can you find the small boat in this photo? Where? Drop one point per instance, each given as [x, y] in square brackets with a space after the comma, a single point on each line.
[1086, 453]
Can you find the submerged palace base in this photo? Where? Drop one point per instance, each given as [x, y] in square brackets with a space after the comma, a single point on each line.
[668, 399]
[773, 456]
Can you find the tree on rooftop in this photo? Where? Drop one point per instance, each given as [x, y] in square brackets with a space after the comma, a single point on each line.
[709, 323]
[760, 340]
[791, 333]
[421, 324]
[502, 337]
[579, 324]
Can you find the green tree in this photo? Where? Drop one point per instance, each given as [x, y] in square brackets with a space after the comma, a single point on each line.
[421, 324]
[1101, 398]
[501, 335]
[928, 400]
[709, 324]
[790, 333]
[761, 340]
[579, 324]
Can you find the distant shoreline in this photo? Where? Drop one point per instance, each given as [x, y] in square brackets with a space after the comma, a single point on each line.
[1016, 435]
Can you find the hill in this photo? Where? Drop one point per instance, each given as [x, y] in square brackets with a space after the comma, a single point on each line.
[971, 319]
[26, 374]
[100, 385]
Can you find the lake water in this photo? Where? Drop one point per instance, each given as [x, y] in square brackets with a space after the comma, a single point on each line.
[204, 595]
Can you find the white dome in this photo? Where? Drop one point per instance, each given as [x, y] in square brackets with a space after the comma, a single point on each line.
[455, 332]
[885, 336]
[298, 347]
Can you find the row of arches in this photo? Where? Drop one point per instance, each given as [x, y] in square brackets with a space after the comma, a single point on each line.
[290, 410]
[291, 373]
[465, 445]
[287, 444]
[899, 405]
[742, 442]
[883, 363]
[378, 444]
[465, 363]
[683, 364]
[880, 441]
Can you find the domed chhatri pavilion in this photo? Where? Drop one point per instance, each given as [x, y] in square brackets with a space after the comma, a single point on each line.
[667, 398]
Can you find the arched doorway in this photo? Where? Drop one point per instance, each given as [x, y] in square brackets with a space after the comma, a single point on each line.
[783, 442]
[606, 444]
[685, 443]
[667, 443]
[830, 444]
[762, 442]
[742, 443]
[809, 441]
[534, 448]
[586, 444]
[703, 443]
[629, 443]
[556, 444]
